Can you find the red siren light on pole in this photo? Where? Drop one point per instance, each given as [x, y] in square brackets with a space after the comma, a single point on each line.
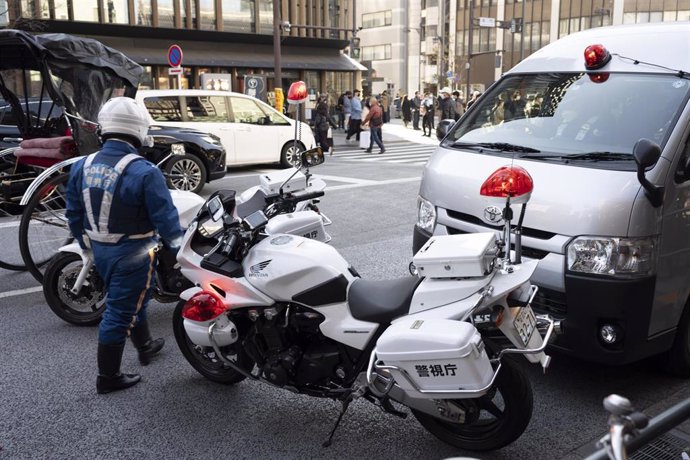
[297, 93]
[509, 181]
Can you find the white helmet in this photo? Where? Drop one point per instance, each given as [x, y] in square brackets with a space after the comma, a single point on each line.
[122, 115]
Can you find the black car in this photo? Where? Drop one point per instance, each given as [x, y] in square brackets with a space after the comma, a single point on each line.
[189, 158]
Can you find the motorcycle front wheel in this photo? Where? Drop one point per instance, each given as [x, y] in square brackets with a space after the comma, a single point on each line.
[84, 308]
[492, 421]
[203, 359]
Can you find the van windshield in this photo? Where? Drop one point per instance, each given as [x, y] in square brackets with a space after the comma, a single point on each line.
[573, 117]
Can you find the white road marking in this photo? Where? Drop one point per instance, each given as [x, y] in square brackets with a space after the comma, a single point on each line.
[18, 292]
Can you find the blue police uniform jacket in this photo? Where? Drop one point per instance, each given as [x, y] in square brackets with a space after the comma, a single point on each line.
[111, 206]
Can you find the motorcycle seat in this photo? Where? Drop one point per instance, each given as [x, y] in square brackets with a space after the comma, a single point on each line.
[381, 301]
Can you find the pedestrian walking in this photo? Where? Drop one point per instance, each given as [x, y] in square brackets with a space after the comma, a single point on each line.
[322, 124]
[428, 114]
[355, 117]
[340, 112]
[374, 120]
[406, 110]
[347, 109]
[446, 105]
[386, 106]
[116, 201]
[459, 104]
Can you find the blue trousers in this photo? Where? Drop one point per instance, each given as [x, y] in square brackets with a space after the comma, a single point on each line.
[127, 269]
[376, 137]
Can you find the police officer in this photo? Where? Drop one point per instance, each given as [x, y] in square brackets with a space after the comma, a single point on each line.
[119, 200]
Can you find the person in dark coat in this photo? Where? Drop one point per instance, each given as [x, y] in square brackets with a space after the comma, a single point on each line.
[406, 110]
[447, 105]
[322, 120]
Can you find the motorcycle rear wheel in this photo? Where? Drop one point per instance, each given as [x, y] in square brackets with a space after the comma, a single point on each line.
[505, 412]
[202, 359]
[83, 309]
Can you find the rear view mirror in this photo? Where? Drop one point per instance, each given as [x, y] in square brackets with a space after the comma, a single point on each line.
[443, 127]
[646, 154]
[312, 157]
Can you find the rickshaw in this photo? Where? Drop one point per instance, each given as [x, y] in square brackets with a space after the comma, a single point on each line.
[52, 86]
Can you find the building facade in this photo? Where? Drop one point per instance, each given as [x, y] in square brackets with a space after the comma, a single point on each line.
[225, 39]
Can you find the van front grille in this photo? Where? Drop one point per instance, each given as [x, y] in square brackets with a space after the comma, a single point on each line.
[526, 231]
[550, 301]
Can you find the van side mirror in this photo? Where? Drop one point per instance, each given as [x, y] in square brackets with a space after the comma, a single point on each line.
[646, 154]
[443, 127]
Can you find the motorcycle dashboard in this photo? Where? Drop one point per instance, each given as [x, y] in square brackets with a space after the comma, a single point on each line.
[209, 227]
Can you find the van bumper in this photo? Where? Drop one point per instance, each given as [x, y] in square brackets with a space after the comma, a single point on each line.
[419, 237]
[625, 305]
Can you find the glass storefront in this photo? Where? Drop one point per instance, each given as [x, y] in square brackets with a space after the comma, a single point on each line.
[207, 15]
[85, 10]
[238, 15]
[143, 14]
[116, 11]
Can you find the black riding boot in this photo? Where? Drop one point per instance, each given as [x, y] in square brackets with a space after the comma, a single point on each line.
[109, 376]
[145, 345]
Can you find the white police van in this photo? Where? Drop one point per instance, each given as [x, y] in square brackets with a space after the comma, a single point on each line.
[600, 120]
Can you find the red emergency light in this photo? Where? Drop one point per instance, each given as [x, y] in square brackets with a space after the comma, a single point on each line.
[297, 93]
[509, 181]
[596, 57]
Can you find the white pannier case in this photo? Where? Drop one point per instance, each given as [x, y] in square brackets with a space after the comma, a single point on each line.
[436, 354]
[457, 256]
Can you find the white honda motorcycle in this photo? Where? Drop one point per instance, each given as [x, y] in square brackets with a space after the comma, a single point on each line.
[291, 312]
[75, 292]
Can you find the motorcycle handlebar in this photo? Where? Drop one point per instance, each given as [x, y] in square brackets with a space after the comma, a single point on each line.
[306, 196]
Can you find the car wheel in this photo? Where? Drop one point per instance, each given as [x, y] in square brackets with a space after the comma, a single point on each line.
[186, 173]
[289, 156]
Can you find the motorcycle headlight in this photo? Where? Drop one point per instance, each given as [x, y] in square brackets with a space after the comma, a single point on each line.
[621, 257]
[177, 149]
[426, 215]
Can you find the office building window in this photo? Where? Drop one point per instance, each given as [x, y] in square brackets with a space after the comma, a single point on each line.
[378, 19]
[207, 15]
[376, 53]
[4, 17]
[266, 16]
[85, 10]
[143, 16]
[238, 15]
[116, 11]
[60, 10]
[166, 13]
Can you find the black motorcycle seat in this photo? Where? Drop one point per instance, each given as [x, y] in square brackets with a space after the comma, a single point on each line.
[381, 301]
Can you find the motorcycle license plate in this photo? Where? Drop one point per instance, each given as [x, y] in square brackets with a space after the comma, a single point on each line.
[525, 323]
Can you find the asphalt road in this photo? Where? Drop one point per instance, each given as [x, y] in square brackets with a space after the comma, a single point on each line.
[49, 407]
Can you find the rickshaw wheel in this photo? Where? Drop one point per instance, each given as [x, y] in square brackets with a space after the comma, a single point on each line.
[43, 228]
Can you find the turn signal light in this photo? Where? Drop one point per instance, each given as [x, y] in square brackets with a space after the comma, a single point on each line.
[596, 57]
[203, 306]
[508, 181]
[297, 93]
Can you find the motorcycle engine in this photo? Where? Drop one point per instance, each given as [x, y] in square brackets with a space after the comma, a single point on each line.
[290, 350]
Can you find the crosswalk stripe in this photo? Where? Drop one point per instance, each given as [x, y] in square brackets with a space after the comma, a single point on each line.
[405, 153]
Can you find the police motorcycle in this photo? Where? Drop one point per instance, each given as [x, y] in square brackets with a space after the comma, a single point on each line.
[75, 292]
[292, 313]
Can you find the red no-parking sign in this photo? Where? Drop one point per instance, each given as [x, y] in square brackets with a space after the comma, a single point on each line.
[175, 56]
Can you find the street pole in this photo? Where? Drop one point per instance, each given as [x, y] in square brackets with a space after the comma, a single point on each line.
[469, 51]
[522, 33]
[277, 72]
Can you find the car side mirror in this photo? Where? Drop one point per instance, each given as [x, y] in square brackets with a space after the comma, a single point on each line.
[443, 127]
[646, 154]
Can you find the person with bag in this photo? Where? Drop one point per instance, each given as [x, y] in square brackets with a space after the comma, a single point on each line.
[374, 120]
[322, 120]
[428, 114]
[116, 203]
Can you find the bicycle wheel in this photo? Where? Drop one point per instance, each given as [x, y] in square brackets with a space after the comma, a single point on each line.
[43, 228]
[10, 258]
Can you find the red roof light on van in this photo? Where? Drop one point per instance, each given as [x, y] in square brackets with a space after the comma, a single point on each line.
[596, 57]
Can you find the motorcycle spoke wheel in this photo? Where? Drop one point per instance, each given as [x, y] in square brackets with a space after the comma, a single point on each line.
[204, 359]
[491, 421]
[84, 308]
[43, 228]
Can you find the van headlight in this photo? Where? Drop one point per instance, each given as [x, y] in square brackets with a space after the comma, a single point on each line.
[426, 215]
[621, 257]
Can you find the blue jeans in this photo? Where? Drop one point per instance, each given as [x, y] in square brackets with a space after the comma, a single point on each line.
[376, 137]
[127, 269]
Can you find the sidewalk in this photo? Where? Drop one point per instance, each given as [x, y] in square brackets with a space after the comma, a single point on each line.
[394, 131]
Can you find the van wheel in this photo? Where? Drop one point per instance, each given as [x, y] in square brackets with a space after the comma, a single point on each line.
[677, 359]
[289, 156]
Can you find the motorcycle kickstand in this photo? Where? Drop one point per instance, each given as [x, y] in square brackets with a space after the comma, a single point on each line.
[346, 404]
